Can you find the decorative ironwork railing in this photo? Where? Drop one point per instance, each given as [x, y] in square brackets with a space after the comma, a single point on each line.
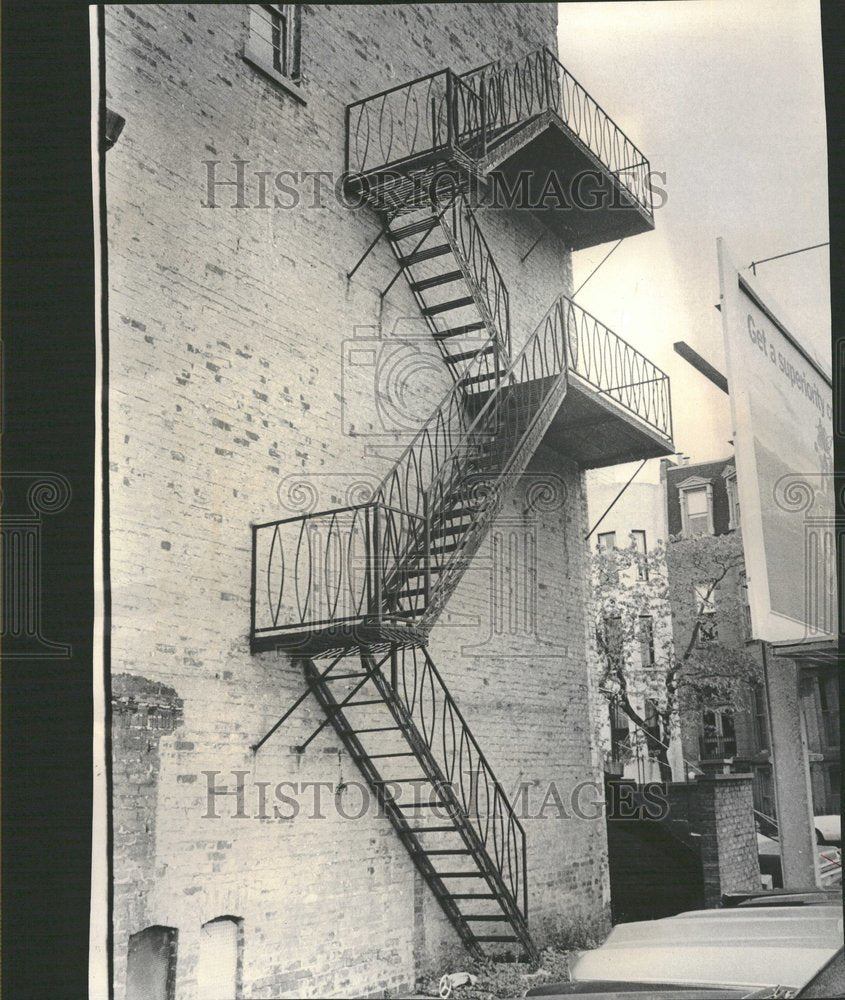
[329, 570]
[431, 113]
[472, 250]
[539, 82]
[444, 111]
[421, 690]
[717, 747]
[340, 566]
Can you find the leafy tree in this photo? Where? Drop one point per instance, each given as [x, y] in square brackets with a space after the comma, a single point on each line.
[691, 591]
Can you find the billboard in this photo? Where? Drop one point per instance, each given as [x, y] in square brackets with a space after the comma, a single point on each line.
[782, 412]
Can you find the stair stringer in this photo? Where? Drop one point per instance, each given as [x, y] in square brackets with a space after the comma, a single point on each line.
[444, 788]
[451, 575]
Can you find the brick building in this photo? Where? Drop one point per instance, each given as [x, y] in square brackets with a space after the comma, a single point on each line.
[265, 367]
[702, 498]
[625, 511]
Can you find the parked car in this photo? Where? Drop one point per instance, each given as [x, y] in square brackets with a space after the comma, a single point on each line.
[830, 861]
[828, 830]
[773, 944]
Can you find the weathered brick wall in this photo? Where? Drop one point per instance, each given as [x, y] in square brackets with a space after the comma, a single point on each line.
[226, 337]
[724, 817]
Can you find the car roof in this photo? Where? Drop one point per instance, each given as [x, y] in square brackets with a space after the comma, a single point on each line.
[745, 946]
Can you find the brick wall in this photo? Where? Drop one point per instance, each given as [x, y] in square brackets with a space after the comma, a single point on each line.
[724, 817]
[226, 337]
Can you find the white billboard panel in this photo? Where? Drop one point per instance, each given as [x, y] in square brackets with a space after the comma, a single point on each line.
[782, 410]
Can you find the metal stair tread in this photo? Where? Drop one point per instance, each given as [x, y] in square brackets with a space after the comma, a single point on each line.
[412, 228]
[438, 279]
[430, 253]
[463, 850]
[458, 331]
[466, 355]
[484, 377]
[441, 307]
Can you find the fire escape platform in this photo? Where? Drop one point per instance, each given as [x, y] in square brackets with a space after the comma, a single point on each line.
[545, 167]
[330, 638]
[596, 431]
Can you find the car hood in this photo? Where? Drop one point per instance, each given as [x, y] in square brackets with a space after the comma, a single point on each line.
[755, 947]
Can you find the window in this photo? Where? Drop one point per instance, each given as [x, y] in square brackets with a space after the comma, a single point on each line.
[651, 728]
[746, 606]
[638, 538]
[607, 541]
[607, 546]
[220, 959]
[705, 611]
[619, 731]
[696, 506]
[719, 735]
[646, 636]
[733, 497]
[274, 43]
[761, 723]
[151, 964]
[613, 639]
[695, 498]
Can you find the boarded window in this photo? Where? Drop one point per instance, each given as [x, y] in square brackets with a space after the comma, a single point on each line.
[151, 964]
[219, 965]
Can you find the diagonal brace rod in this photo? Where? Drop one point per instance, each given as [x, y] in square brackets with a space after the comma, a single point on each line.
[302, 747]
[367, 252]
[257, 746]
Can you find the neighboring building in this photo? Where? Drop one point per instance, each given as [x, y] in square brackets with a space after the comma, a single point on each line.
[619, 516]
[265, 366]
[702, 499]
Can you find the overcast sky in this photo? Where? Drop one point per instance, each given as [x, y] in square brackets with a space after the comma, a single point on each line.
[728, 99]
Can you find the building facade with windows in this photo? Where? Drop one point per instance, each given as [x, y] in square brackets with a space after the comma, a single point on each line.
[623, 517]
[349, 418]
[702, 499]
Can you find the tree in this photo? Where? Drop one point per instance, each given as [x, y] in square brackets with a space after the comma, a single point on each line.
[685, 600]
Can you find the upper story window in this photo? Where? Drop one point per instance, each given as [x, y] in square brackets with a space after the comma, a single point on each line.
[638, 538]
[761, 718]
[646, 637]
[705, 610]
[696, 499]
[746, 604]
[733, 497]
[613, 638]
[274, 44]
[607, 543]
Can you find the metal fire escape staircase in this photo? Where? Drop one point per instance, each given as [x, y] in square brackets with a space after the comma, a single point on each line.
[354, 592]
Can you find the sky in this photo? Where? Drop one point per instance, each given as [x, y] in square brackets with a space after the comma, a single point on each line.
[727, 99]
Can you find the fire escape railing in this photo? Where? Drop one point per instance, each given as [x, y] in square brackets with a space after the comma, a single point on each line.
[435, 112]
[350, 563]
[422, 692]
[473, 251]
[444, 111]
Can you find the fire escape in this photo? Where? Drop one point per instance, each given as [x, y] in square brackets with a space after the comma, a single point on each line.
[354, 592]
